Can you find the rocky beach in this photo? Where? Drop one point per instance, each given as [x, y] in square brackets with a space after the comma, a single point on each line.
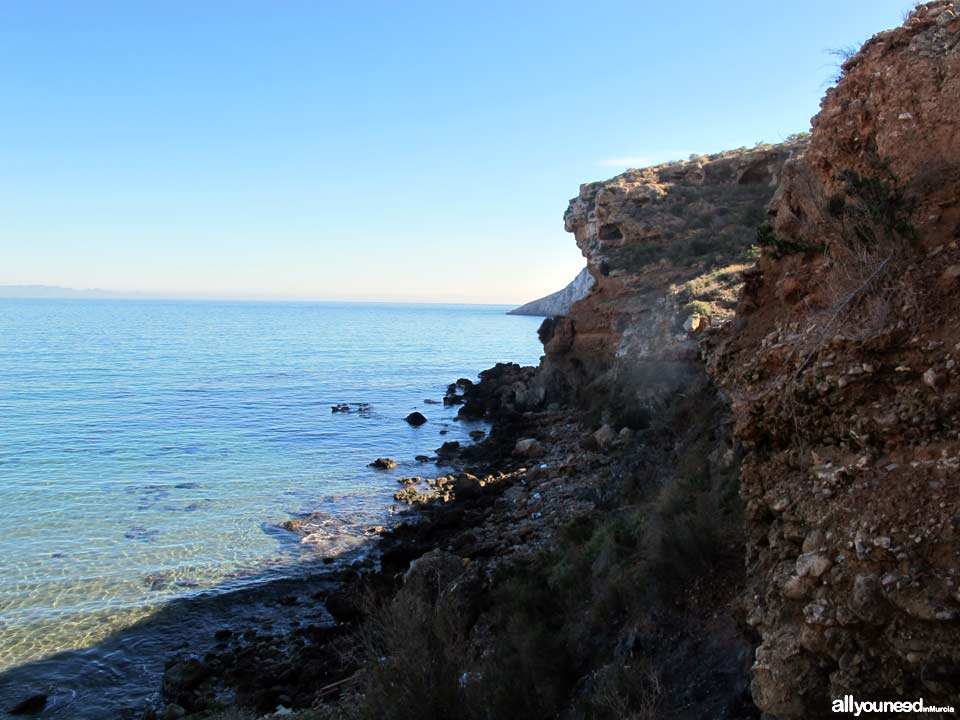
[731, 487]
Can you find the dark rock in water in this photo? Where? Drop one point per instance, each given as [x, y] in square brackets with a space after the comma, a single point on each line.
[383, 464]
[443, 432]
[341, 408]
[477, 434]
[464, 383]
[415, 419]
[473, 409]
[452, 398]
[422, 458]
[430, 401]
[221, 636]
[448, 448]
[31, 706]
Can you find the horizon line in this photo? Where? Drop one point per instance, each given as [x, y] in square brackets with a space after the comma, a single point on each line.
[69, 293]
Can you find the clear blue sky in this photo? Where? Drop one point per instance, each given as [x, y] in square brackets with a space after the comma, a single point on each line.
[397, 151]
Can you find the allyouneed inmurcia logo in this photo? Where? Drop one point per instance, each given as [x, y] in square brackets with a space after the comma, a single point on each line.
[847, 704]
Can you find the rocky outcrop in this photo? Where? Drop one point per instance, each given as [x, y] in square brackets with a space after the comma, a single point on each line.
[800, 296]
[558, 303]
[666, 246]
[843, 368]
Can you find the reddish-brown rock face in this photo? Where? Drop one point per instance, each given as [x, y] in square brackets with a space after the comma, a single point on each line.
[665, 245]
[843, 368]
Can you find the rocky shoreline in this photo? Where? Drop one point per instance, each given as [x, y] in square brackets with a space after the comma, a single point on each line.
[266, 671]
[508, 503]
[730, 488]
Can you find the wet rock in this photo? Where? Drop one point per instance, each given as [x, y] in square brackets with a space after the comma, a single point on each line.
[416, 419]
[472, 409]
[31, 706]
[477, 434]
[448, 448]
[422, 458]
[383, 464]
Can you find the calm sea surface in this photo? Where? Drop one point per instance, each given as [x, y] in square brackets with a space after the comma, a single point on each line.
[149, 449]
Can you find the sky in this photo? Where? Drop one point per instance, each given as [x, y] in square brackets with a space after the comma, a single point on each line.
[370, 151]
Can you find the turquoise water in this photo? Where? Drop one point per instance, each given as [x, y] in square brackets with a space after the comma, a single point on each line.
[149, 449]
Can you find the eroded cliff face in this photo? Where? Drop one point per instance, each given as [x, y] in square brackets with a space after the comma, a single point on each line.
[665, 245]
[842, 367]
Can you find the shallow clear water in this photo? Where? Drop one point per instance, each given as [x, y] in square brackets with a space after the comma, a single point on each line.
[148, 449]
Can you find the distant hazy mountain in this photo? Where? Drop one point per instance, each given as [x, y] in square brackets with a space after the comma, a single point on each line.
[558, 303]
[51, 291]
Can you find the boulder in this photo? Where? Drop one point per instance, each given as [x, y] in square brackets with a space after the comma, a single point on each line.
[605, 437]
[448, 448]
[472, 409]
[182, 682]
[415, 418]
[467, 486]
[383, 464]
[528, 448]
[431, 573]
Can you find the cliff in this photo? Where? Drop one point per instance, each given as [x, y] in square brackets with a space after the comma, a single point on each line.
[558, 303]
[666, 246]
[839, 358]
[731, 488]
[842, 368]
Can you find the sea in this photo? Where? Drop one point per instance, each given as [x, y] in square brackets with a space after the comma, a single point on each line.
[149, 451]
